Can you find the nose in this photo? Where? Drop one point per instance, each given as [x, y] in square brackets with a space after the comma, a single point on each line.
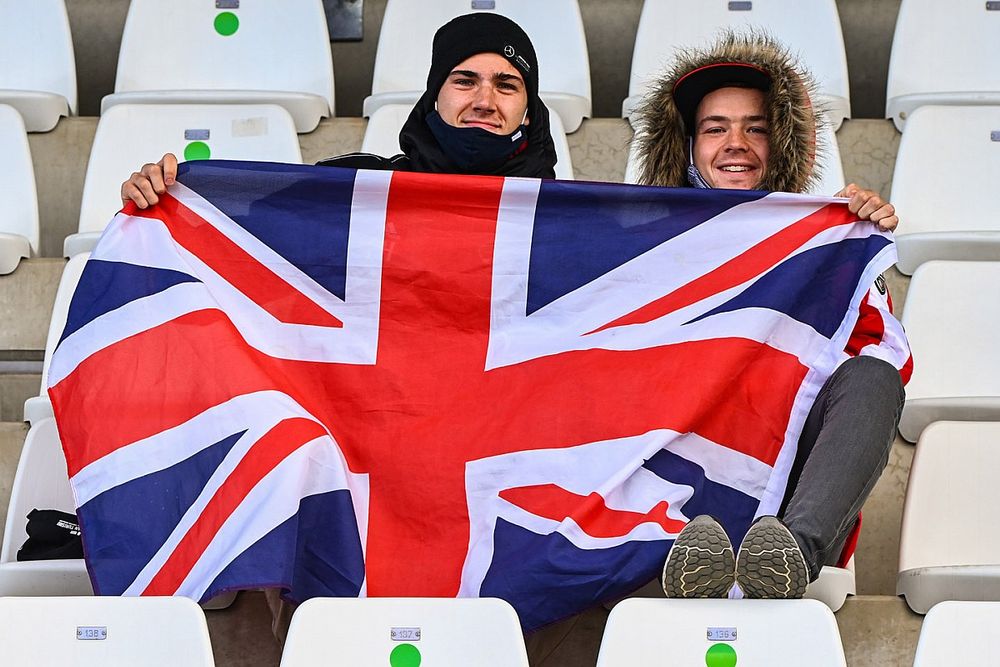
[737, 141]
[485, 100]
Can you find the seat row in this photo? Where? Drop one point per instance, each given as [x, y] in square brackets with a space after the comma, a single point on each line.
[943, 185]
[154, 631]
[948, 549]
[263, 53]
[129, 135]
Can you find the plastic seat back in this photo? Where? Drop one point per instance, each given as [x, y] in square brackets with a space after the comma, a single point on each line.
[37, 66]
[810, 30]
[38, 407]
[382, 136]
[951, 318]
[948, 149]
[944, 554]
[41, 482]
[18, 197]
[130, 135]
[444, 632]
[194, 51]
[777, 633]
[943, 53]
[958, 633]
[555, 28]
[104, 631]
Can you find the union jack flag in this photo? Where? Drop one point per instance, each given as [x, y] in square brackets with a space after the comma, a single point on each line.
[348, 383]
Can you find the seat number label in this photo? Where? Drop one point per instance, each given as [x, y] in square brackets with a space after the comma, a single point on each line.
[405, 634]
[721, 634]
[91, 632]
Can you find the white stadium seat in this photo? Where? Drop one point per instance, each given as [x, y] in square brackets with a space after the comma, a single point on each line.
[382, 131]
[37, 408]
[949, 547]
[382, 136]
[18, 198]
[776, 633]
[810, 30]
[555, 28]
[130, 135]
[833, 585]
[948, 149]
[37, 66]
[951, 318]
[104, 632]
[41, 482]
[943, 53]
[959, 633]
[442, 632]
[194, 52]
[831, 169]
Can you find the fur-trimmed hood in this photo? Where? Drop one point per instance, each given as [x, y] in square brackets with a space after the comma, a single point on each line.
[793, 120]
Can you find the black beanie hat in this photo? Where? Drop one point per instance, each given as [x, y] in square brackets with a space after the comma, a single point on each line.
[483, 32]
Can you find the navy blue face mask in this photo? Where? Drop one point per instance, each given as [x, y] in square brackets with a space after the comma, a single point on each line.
[473, 148]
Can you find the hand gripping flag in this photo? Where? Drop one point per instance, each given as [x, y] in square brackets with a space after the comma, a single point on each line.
[389, 384]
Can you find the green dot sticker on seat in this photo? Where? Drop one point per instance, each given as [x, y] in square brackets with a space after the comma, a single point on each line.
[405, 655]
[721, 655]
[197, 150]
[226, 24]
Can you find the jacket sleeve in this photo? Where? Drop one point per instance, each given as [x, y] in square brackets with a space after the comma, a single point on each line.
[878, 333]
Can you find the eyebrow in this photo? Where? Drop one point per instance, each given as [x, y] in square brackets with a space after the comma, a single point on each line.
[717, 119]
[500, 76]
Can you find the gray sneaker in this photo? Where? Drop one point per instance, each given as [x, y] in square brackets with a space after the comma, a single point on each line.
[701, 562]
[770, 564]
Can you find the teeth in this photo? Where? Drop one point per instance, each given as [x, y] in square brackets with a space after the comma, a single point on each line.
[735, 168]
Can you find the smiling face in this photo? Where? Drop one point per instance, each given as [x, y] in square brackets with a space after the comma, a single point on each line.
[484, 91]
[731, 138]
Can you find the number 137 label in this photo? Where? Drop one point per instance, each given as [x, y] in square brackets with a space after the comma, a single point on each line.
[405, 634]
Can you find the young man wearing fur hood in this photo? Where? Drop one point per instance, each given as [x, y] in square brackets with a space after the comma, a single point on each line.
[739, 115]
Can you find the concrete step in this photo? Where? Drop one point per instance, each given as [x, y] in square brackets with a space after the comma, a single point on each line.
[26, 298]
[878, 631]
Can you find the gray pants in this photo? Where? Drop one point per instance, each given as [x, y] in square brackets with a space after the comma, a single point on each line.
[843, 449]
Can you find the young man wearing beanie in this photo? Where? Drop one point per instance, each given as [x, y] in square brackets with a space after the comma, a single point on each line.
[481, 113]
[739, 115]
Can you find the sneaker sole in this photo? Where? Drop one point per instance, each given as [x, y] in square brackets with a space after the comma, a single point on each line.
[700, 563]
[770, 564]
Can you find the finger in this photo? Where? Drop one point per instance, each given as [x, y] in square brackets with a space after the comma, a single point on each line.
[146, 188]
[858, 200]
[885, 218]
[869, 208]
[154, 174]
[888, 224]
[130, 193]
[847, 191]
[169, 164]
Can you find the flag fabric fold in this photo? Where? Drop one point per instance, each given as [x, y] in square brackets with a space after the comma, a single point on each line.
[348, 383]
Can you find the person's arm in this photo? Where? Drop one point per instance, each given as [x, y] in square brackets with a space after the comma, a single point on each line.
[868, 205]
[144, 186]
[877, 333]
